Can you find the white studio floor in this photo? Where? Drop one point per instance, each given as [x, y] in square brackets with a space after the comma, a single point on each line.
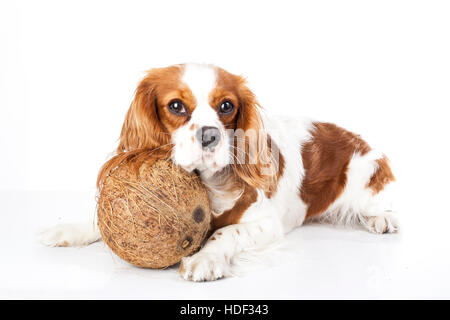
[323, 262]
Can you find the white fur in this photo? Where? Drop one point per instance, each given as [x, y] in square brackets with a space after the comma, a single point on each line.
[221, 197]
[73, 235]
[266, 220]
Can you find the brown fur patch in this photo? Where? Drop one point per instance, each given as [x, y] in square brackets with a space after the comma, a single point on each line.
[382, 176]
[325, 159]
[233, 215]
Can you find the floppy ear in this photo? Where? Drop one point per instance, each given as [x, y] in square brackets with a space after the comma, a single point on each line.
[143, 137]
[142, 128]
[253, 161]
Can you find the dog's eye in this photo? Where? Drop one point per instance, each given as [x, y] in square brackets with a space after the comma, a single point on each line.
[226, 107]
[177, 107]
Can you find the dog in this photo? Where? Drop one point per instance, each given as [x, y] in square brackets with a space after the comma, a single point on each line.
[265, 175]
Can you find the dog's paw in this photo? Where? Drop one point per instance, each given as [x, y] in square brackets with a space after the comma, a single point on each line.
[68, 235]
[385, 223]
[204, 267]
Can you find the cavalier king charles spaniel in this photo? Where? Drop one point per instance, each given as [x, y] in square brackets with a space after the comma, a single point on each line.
[265, 175]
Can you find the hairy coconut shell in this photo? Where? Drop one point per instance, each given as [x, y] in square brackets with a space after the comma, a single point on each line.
[154, 217]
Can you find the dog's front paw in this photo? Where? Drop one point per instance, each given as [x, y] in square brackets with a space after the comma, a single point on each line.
[204, 267]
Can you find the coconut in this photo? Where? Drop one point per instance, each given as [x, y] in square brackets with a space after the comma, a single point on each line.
[153, 216]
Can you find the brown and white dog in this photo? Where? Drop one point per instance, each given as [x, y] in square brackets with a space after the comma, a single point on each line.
[265, 175]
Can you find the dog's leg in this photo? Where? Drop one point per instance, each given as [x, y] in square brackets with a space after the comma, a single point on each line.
[213, 260]
[69, 235]
[368, 198]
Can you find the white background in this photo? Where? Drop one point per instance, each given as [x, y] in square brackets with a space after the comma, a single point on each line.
[68, 70]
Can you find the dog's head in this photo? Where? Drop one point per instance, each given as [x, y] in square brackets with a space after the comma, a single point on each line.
[195, 112]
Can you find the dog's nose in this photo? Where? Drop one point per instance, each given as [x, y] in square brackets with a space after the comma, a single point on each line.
[208, 136]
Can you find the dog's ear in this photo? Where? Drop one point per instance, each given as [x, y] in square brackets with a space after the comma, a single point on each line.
[143, 137]
[254, 160]
[142, 128]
